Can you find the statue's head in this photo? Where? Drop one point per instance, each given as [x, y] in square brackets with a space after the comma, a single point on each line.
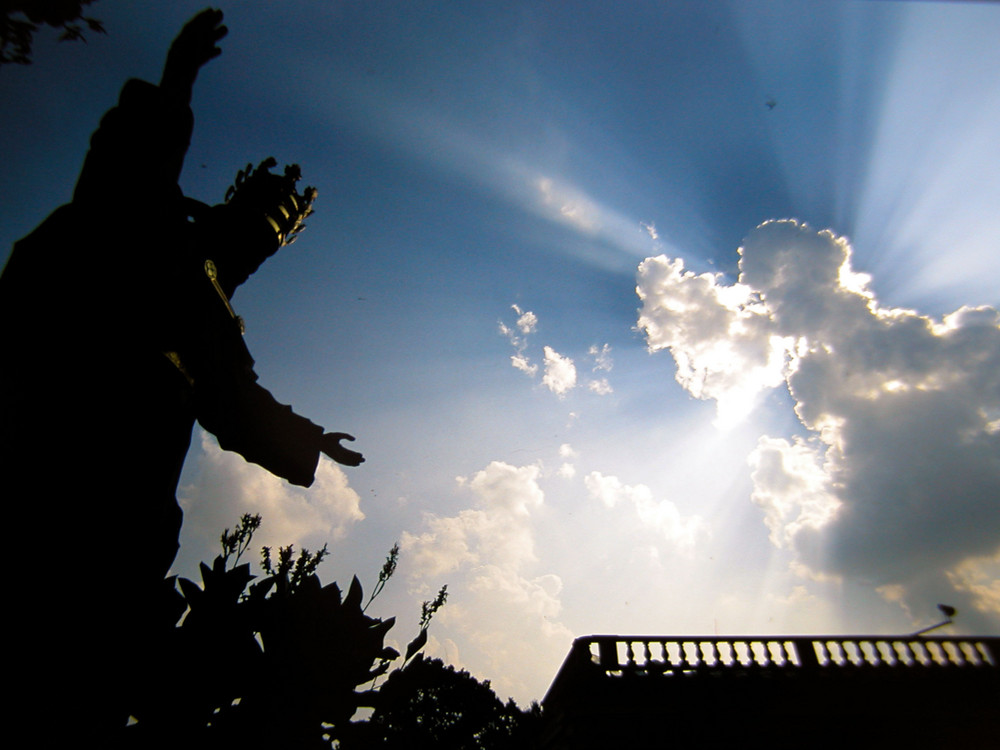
[262, 212]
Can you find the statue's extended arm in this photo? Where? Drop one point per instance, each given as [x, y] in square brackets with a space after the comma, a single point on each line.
[243, 415]
[330, 445]
[250, 421]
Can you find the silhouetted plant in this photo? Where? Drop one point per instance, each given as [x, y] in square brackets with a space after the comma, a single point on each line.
[427, 610]
[388, 568]
[238, 541]
[20, 19]
[280, 659]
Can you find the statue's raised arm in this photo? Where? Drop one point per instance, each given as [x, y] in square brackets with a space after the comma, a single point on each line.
[193, 47]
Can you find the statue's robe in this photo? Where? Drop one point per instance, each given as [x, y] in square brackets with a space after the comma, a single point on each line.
[114, 342]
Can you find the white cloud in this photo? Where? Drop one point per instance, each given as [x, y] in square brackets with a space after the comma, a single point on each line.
[979, 580]
[559, 375]
[899, 478]
[719, 335]
[496, 603]
[601, 387]
[522, 363]
[230, 486]
[567, 470]
[497, 531]
[527, 321]
[560, 372]
[792, 487]
[662, 518]
[602, 357]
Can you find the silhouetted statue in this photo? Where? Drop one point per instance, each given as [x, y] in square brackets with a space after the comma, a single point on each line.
[117, 333]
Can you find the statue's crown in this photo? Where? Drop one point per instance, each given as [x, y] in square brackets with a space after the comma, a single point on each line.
[275, 196]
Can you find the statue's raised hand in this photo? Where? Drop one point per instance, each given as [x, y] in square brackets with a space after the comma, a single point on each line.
[330, 445]
[192, 48]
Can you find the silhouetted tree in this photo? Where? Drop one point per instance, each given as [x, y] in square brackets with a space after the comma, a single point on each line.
[429, 704]
[20, 19]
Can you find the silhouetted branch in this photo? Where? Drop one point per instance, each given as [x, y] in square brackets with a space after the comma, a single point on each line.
[20, 20]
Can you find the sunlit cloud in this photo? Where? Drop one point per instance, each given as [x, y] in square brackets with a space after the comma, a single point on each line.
[518, 338]
[979, 579]
[488, 554]
[560, 372]
[567, 471]
[498, 530]
[662, 518]
[520, 362]
[229, 486]
[602, 357]
[899, 476]
[527, 321]
[719, 335]
[601, 387]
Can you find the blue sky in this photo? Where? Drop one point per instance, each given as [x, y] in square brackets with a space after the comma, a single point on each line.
[812, 450]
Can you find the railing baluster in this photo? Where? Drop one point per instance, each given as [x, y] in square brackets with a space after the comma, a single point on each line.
[953, 654]
[886, 653]
[656, 656]
[760, 652]
[708, 657]
[629, 655]
[690, 652]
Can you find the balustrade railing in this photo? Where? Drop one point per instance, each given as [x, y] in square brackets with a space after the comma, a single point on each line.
[623, 655]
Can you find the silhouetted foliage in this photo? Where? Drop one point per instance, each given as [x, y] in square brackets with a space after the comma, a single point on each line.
[280, 659]
[429, 704]
[20, 19]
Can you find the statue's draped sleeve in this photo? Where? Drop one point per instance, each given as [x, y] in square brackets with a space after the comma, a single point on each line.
[244, 416]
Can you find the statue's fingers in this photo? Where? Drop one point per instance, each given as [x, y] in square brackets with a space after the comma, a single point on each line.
[219, 34]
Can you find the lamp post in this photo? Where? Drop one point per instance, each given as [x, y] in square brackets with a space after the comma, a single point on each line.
[947, 611]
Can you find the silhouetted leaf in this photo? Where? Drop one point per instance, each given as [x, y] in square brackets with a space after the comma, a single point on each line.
[416, 644]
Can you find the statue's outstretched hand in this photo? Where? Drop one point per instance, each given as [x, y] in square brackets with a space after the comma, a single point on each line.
[192, 48]
[330, 445]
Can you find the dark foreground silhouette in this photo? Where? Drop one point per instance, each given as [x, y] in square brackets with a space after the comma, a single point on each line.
[283, 661]
[117, 333]
[20, 19]
[833, 692]
[278, 661]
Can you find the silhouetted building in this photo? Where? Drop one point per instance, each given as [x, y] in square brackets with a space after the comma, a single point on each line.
[818, 691]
